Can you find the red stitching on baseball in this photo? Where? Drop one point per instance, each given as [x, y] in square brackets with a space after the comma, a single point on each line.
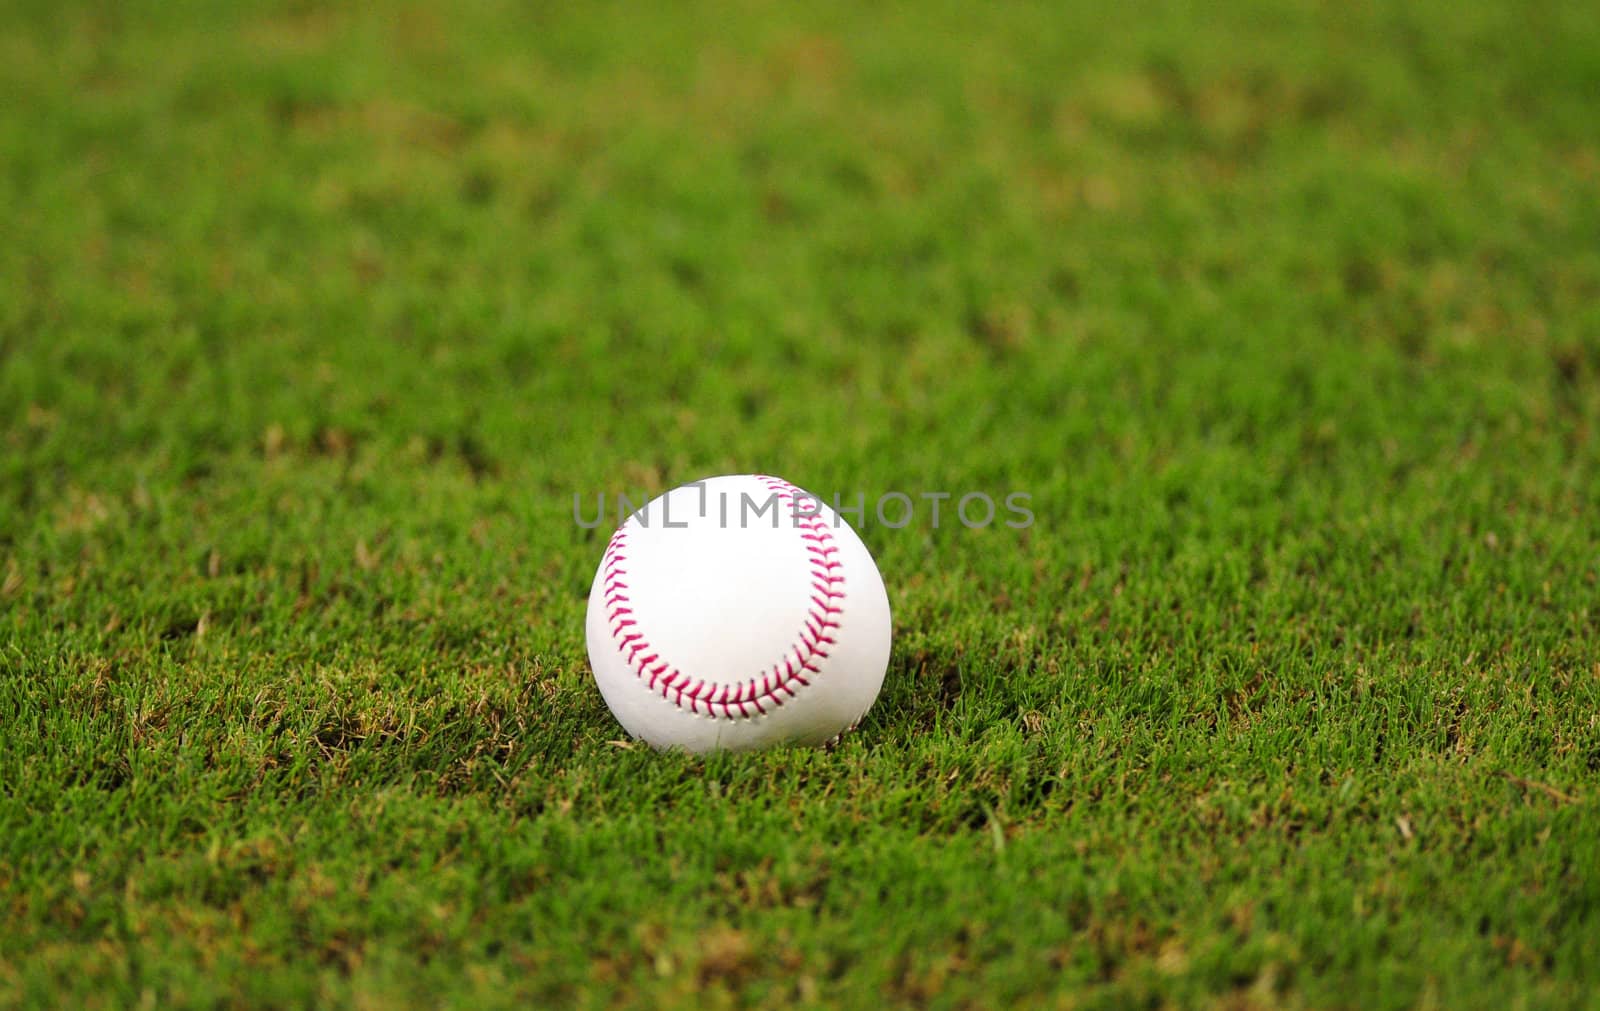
[799, 659]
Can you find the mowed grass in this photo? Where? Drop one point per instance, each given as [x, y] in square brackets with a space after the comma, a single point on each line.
[1286, 315]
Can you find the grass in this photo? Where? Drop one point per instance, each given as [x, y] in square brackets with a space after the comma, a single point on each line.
[313, 322]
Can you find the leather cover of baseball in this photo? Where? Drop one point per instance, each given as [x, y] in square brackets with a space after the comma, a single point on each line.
[735, 613]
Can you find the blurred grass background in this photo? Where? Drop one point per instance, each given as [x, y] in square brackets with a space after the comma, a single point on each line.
[314, 320]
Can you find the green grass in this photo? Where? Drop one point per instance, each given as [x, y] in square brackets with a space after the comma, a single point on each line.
[1287, 315]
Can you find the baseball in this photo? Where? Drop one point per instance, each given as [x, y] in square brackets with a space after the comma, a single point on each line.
[736, 613]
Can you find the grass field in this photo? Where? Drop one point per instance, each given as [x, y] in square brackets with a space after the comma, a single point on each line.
[1286, 315]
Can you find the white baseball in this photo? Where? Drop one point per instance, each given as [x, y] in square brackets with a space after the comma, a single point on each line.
[736, 613]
